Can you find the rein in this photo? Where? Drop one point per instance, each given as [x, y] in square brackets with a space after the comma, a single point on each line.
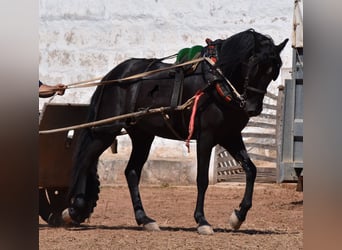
[185, 105]
[94, 82]
[97, 81]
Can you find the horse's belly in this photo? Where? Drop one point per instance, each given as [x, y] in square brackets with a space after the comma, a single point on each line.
[163, 127]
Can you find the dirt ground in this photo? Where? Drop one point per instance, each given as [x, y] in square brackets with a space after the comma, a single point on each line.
[274, 222]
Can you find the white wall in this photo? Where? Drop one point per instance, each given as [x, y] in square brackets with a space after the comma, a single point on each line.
[84, 39]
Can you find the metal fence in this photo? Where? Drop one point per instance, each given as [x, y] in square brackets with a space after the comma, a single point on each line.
[290, 159]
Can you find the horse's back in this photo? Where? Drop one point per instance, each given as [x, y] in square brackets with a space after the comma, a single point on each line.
[112, 99]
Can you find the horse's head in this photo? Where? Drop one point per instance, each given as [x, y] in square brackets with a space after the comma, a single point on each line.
[251, 61]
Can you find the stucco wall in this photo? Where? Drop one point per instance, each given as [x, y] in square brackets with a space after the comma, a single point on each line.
[84, 39]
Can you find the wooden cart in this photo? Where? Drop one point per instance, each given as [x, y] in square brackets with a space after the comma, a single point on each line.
[55, 157]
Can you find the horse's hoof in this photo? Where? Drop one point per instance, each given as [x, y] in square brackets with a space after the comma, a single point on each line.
[66, 217]
[205, 230]
[55, 220]
[152, 226]
[234, 221]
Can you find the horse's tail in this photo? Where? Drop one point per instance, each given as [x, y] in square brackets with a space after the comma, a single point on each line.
[83, 139]
[87, 175]
[84, 187]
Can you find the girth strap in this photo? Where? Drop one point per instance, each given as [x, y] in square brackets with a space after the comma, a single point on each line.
[176, 99]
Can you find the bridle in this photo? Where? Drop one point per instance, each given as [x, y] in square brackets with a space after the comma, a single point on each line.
[251, 60]
[246, 85]
[256, 90]
[212, 57]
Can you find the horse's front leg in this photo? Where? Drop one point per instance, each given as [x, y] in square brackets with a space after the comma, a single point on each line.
[238, 151]
[204, 147]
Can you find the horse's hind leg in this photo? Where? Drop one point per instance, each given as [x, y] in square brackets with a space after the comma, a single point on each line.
[84, 189]
[141, 145]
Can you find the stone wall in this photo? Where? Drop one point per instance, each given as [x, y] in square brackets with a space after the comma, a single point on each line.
[84, 39]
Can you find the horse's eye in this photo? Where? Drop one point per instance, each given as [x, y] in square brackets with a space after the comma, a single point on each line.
[269, 70]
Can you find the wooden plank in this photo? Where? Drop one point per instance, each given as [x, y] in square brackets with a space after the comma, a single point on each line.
[272, 96]
[268, 117]
[264, 175]
[269, 106]
[262, 157]
[258, 135]
[260, 145]
[261, 125]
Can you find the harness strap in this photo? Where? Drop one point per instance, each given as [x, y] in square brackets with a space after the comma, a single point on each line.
[192, 119]
[212, 50]
[176, 99]
[177, 88]
[240, 97]
[168, 124]
[259, 91]
[135, 88]
[223, 92]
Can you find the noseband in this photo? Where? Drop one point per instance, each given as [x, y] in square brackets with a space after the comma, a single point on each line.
[250, 88]
[259, 91]
[251, 60]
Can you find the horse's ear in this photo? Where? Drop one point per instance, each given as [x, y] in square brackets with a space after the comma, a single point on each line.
[281, 46]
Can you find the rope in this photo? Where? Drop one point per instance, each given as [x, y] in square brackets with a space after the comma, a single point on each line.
[97, 81]
[187, 104]
[94, 82]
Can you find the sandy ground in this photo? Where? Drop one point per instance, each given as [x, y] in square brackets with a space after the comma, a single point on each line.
[274, 222]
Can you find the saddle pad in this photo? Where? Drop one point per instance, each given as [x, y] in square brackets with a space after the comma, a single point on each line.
[187, 54]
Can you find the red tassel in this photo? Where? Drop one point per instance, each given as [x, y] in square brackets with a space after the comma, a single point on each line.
[192, 119]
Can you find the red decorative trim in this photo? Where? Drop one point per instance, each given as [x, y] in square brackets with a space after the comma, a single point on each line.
[214, 59]
[220, 92]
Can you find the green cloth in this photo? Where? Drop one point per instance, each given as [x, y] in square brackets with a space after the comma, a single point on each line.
[188, 54]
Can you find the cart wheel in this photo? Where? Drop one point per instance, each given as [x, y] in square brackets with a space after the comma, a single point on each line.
[52, 202]
[44, 206]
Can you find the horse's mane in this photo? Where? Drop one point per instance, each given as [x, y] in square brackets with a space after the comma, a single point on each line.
[240, 47]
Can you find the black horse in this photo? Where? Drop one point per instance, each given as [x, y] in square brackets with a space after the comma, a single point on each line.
[247, 60]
